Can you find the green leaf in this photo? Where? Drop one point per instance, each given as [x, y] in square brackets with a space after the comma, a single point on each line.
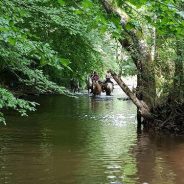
[65, 63]
[12, 41]
[87, 4]
[61, 2]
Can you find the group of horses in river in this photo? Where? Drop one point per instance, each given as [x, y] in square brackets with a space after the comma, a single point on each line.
[97, 87]
[93, 87]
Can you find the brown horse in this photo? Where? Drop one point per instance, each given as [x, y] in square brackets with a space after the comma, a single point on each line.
[97, 89]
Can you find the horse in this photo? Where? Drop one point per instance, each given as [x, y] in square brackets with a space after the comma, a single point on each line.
[108, 88]
[74, 85]
[97, 89]
[89, 84]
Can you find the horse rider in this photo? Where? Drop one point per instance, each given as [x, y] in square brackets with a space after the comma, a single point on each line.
[95, 77]
[108, 78]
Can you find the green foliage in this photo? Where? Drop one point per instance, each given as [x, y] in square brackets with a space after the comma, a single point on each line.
[8, 101]
[37, 37]
[26, 48]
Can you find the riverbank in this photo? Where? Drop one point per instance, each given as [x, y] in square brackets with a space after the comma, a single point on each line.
[169, 118]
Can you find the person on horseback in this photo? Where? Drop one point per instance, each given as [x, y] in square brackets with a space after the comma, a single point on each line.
[95, 77]
[108, 77]
[108, 85]
[97, 89]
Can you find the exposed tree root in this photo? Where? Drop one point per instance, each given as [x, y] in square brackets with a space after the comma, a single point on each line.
[169, 118]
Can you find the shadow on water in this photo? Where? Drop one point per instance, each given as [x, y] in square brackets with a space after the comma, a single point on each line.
[85, 140]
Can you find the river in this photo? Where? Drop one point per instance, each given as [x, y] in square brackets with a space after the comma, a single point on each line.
[86, 140]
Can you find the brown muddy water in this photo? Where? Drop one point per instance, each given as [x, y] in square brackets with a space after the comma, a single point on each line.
[86, 140]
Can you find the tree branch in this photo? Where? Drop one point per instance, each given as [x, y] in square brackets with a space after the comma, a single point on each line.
[143, 108]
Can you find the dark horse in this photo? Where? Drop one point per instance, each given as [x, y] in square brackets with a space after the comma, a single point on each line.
[74, 85]
[108, 88]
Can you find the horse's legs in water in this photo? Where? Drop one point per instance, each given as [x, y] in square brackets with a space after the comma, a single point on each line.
[97, 88]
[109, 88]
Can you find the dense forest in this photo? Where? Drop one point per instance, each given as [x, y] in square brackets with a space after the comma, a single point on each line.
[45, 43]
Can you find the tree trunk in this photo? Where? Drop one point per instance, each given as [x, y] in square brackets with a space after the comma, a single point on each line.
[141, 56]
[143, 108]
[178, 86]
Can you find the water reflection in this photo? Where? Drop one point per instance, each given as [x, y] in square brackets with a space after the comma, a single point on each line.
[85, 141]
[158, 157]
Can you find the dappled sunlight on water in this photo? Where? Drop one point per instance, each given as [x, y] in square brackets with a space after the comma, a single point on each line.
[111, 119]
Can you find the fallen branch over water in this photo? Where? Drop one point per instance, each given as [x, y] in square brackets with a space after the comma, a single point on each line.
[141, 105]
